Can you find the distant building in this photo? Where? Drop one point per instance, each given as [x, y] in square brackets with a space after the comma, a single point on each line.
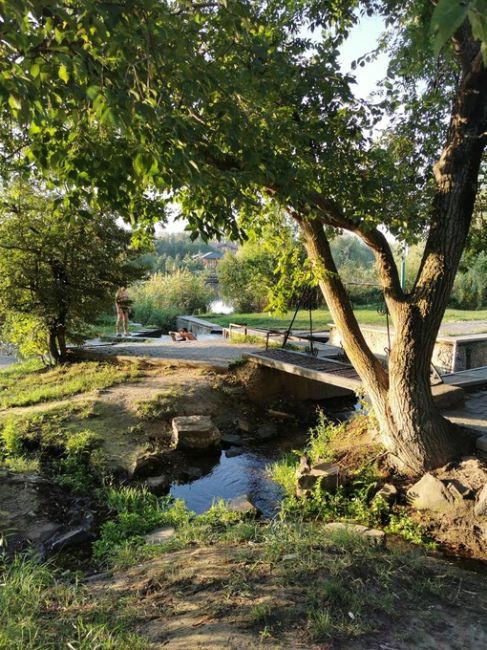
[210, 260]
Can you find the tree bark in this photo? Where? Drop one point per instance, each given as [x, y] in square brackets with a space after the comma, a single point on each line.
[53, 349]
[417, 436]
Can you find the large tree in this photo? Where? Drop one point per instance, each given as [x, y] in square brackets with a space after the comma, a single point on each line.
[226, 105]
[58, 267]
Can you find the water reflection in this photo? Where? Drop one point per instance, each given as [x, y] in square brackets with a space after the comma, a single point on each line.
[232, 477]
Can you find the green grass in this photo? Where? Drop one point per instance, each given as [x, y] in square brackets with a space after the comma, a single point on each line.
[322, 318]
[39, 611]
[30, 383]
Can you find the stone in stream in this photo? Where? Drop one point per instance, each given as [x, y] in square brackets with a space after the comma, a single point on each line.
[328, 474]
[241, 504]
[481, 444]
[232, 452]
[231, 440]
[194, 432]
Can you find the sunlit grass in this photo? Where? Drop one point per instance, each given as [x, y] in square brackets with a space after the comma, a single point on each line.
[30, 383]
[322, 318]
[39, 611]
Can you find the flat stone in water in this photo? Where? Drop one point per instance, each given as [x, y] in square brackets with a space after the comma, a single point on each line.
[195, 432]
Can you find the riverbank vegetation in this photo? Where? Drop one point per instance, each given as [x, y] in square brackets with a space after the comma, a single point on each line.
[286, 581]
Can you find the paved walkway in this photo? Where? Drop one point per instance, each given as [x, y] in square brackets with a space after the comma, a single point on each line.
[463, 328]
[214, 350]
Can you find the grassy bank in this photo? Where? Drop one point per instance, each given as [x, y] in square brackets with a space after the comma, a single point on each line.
[322, 318]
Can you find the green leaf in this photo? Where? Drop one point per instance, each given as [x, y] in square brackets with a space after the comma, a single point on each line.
[14, 103]
[63, 73]
[447, 18]
[35, 70]
[477, 15]
[92, 92]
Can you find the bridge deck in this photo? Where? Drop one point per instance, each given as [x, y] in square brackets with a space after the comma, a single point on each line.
[327, 371]
[337, 373]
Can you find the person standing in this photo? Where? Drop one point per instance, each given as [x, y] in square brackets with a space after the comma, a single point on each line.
[122, 307]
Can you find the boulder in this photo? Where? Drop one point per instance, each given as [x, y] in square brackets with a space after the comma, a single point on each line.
[148, 464]
[429, 493]
[326, 473]
[480, 508]
[194, 432]
[241, 504]
[160, 535]
[481, 444]
[372, 535]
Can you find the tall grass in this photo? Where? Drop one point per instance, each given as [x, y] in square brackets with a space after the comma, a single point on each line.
[38, 611]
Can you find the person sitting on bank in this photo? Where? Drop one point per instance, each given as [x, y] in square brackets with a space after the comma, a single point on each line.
[183, 335]
[122, 307]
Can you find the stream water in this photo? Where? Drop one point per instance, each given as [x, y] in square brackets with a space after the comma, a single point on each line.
[233, 476]
[227, 476]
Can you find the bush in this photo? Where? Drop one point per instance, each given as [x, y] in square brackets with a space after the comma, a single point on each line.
[470, 289]
[27, 333]
[162, 298]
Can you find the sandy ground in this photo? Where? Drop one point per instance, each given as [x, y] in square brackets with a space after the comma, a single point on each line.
[212, 350]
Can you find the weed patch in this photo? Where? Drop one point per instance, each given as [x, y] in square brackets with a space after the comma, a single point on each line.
[38, 610]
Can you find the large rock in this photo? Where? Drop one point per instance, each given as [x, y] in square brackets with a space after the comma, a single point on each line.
[429, 493]
[481, 503]
[194, 432]
[328, 474]
[241, 504]
[481, 444]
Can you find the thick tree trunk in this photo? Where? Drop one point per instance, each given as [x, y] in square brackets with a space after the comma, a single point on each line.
[53, 349]
[412, 429]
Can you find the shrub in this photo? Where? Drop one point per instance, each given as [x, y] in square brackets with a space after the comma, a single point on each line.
[162, 298]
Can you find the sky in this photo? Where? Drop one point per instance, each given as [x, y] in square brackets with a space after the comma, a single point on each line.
[363, 38]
